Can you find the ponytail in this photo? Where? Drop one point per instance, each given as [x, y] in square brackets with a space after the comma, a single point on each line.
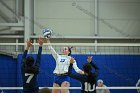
[69, 48]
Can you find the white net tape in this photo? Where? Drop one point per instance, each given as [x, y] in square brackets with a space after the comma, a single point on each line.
[20, 88]
[79, 44]
[78, 48]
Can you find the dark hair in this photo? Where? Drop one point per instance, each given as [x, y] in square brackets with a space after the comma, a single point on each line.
[45, 90]
[88, 69]
[30, 68]
[29, 61]
[33, 70]
[69, 48]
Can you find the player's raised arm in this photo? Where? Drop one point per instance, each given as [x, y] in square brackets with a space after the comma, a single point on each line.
[40, 42]
[76, 67]
[76, 76]
[89, 59]
[28, 46]
[53, 52]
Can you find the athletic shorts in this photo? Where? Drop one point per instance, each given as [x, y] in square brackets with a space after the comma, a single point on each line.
[60, 79]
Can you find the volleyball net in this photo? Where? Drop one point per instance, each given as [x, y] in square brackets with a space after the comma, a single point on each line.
[73, 89]
[119, 65]
[78, 48]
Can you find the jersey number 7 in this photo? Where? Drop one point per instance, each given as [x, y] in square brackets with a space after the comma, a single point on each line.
[30, 76]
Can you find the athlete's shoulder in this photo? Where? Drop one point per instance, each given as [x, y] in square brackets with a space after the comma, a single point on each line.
[69, 57]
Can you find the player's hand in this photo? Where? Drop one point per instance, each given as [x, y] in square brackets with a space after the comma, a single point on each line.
[81, 72]
[72, 60]
[29, 44]
[89, 59]
[47, 40]
[40, 41]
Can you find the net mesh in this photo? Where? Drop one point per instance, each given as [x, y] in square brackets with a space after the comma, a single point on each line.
[72, 89]
[119, 64]
[78, 48]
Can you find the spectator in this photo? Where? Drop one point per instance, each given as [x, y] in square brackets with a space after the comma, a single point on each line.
[100, 83]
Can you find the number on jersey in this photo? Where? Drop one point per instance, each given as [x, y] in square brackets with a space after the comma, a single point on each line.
[88, 87]
[30, 76]
[62, 60]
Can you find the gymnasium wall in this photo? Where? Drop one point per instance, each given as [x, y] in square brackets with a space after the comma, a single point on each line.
[116, 17]
[4, 12]
[115, 70]
[121, 18]
[71, 17]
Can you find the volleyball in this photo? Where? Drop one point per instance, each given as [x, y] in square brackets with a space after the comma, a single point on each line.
[47, 33]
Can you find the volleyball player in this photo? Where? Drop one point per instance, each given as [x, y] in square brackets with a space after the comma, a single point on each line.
[61, 78]
[100, 83]
[30, 69]
[88, 79]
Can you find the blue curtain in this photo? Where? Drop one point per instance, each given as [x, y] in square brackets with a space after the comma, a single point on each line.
[115, 70]
[8, 72]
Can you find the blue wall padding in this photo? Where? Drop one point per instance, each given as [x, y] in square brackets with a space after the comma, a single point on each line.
[115, 70]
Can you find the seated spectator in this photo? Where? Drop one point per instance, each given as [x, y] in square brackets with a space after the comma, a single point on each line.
[100, 83]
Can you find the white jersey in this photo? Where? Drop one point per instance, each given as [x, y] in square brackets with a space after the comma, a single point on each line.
[62, 62]
[102, 90]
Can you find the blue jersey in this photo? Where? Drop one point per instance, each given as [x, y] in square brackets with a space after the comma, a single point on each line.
[86, 85]
[30, 79]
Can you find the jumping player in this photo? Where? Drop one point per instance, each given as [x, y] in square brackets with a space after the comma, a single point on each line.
[61, 78]
[88, 79]
[30, 69]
